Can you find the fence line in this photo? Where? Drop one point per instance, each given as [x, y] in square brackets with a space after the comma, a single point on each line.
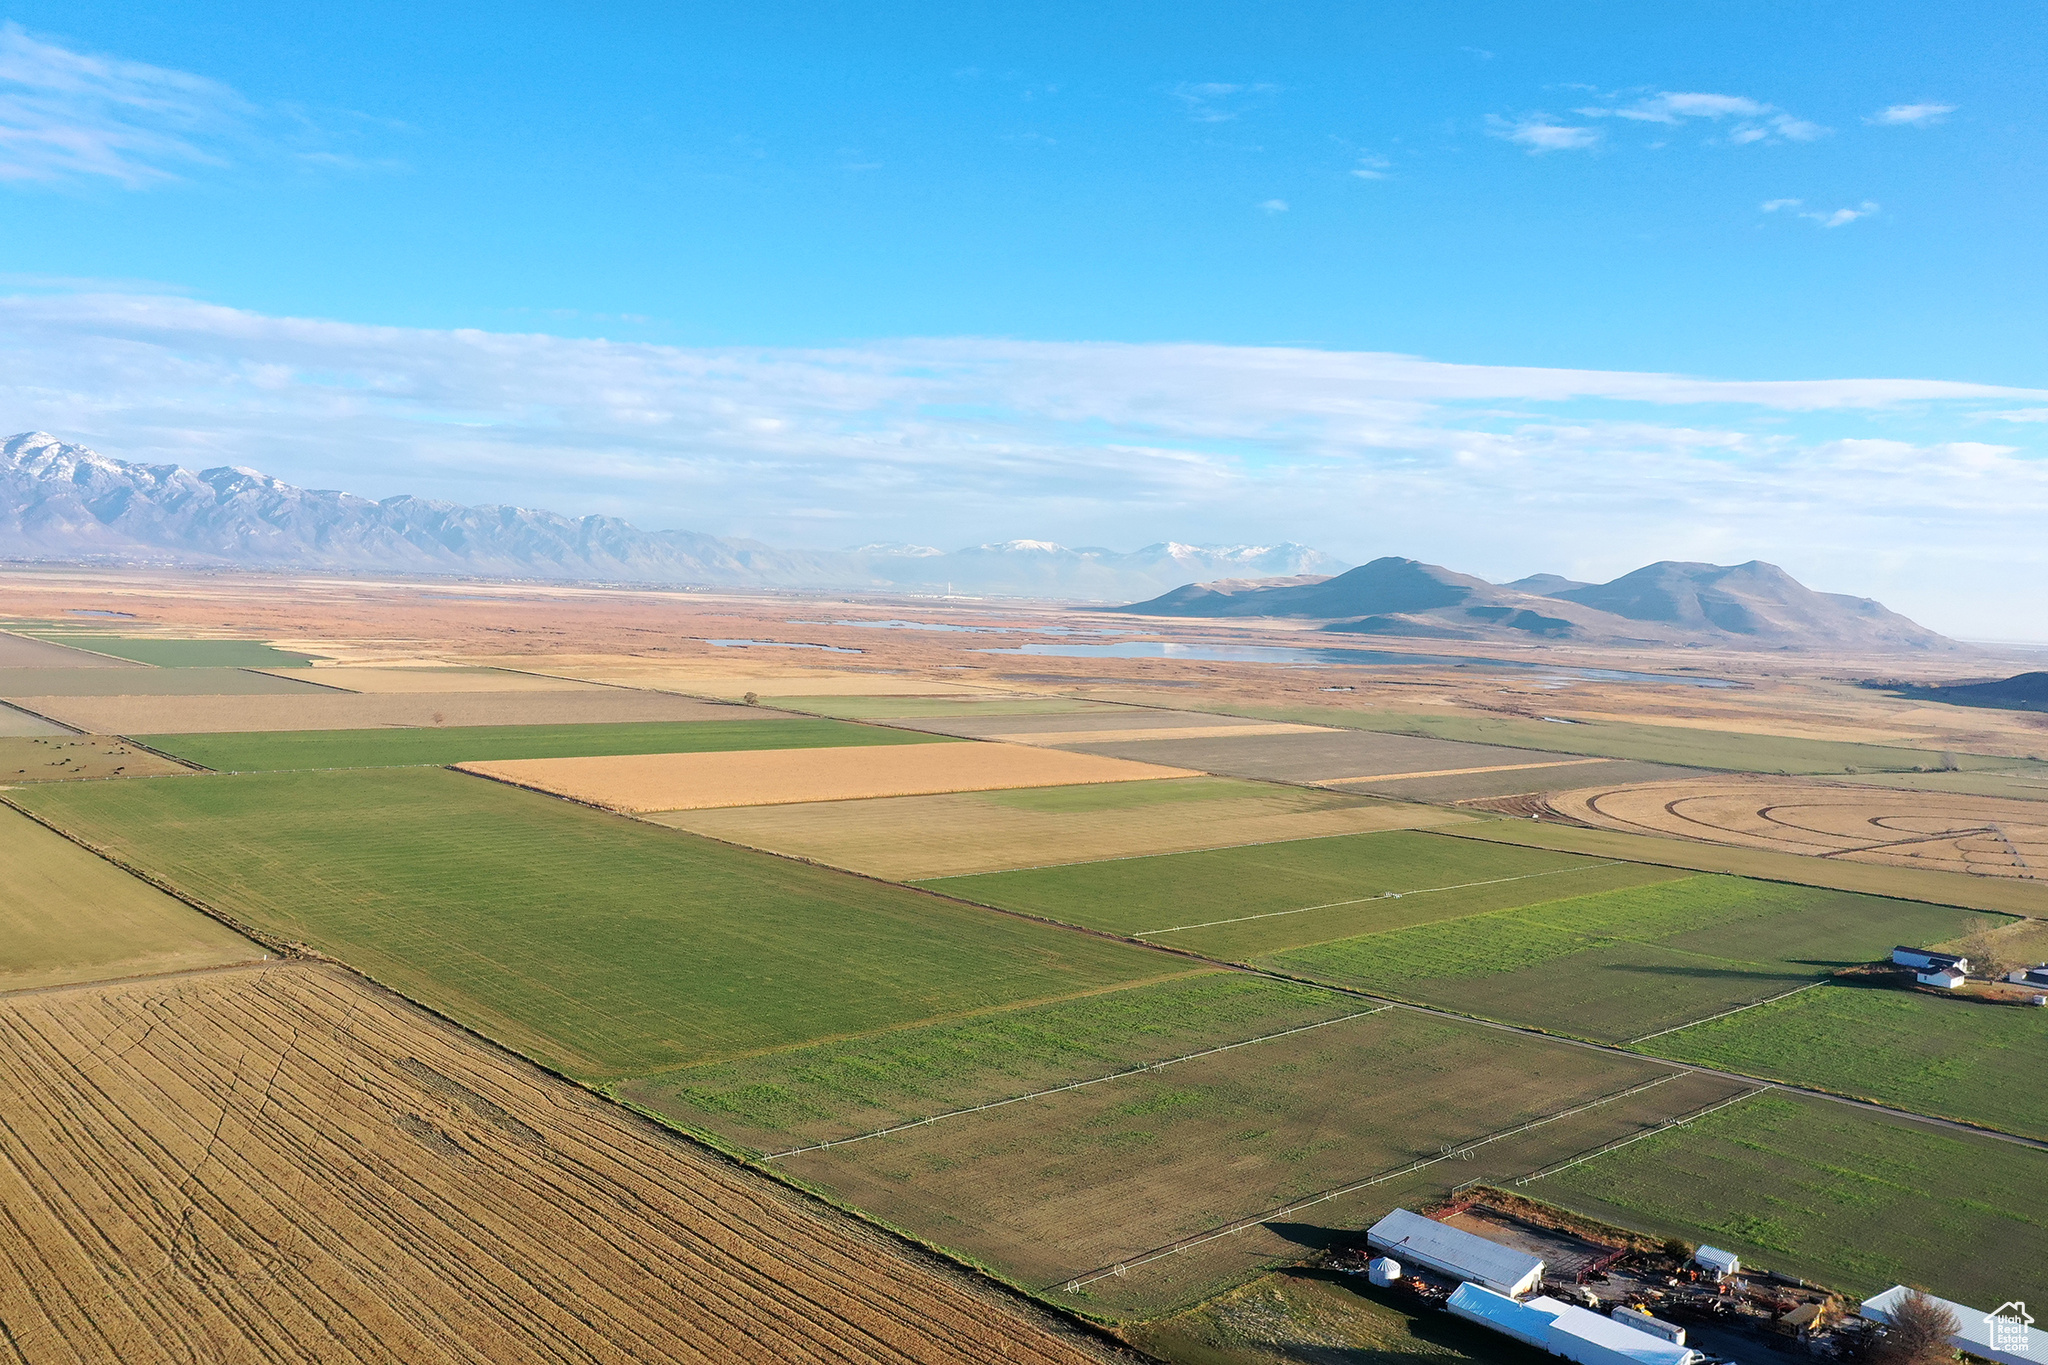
[1679, 1122]
[1074, 1085]
[1449, 1153]
[1786, 995]
[1361, 900]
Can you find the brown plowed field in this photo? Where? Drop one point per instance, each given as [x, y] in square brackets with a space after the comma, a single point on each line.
[325, 710]
[1945, 831]
[288, 1165]
[769, 777]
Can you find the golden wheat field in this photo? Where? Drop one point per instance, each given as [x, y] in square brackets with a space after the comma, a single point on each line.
[769, 777]
[285, 1164]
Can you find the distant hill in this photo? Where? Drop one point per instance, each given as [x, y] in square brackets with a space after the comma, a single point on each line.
[65, 502]
[1754, 604]
[2021, 692]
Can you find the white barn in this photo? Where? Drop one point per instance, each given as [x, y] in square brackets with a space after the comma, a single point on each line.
[2006, 1335]
[1575, 1333]
[1455, 1254]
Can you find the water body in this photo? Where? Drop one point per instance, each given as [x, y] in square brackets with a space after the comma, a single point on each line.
[968, 630]
[779, 644]
[1298, 655]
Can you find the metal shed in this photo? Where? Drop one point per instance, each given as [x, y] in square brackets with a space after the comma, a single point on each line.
[1455, 1254]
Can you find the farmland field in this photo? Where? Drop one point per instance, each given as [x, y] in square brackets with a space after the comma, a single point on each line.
[1850, 1199]
[161, 652]
[1980, 835]
[360, 678]
[1304, 891]
[324, 709]
[390, 748]
[16, 723]
[150, 682]
[68, 916]
[1957, 1058]
[2003, 895]
[1622, 964]
[664, 782]
[1050, 1188]
[23, 651]
[286, 1165]
[1683, 746]
[940, 708]
[835, 1090]
[605, 946]
[66, 757]
[907, 838]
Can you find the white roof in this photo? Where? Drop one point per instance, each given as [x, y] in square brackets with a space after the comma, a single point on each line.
[1454, 1251]
[1620, 1339]
[1725, 1261]
[1528, 1322]
[1973, 1333]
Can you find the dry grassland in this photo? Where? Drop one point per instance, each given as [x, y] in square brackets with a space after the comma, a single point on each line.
[67, 757]
[1942, 831]
[66, 916]
[285, 1165]
[325, 710]
[769, 777]
[910, 838]
[418, 681]
[1123, 736]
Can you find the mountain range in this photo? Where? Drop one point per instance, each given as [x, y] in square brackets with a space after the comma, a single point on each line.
[66, 502]
[1668, 603]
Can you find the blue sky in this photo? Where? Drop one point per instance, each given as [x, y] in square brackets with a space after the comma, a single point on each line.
[1102, 274]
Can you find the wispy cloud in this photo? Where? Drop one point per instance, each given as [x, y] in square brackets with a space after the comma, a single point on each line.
[1746, 120]
[1911, 115]
[70, 116]
[1541, 133]
[1372, 168]
[1218, 101]
[1827, 218]
[1274, 206]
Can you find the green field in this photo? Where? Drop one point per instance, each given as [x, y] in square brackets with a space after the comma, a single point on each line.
[1727, 750]
[835, 1090]
[1302, 891]
[1958, 1058]
[287, 750]
[1850, 1199]
[166, 653]
[1620, 964]
[601, 945]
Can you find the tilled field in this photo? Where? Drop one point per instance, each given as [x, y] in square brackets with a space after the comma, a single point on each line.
[284, 1164]
[1948, 831]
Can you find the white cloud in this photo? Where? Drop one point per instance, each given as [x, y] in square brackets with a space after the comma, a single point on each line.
[962, 440]
[1372, 168]
[1748, 120]
[1218, 101]
[1827, 218]
[1274, 206]
[1913, 115]
[75, 116]
[1541, 133]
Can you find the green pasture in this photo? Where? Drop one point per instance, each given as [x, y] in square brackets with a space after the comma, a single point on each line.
[601, 945]
[166, 653]
[1680, 745]
[286, 750]
[1956, 1058]
[1620, 964]
[850, 1086]
[1850, 1199]
[1301, 891]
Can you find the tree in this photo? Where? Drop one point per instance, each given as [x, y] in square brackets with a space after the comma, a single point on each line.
[1918, 1333]
[1986, 958]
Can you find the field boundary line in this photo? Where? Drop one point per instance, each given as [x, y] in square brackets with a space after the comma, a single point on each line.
[1239, 1225]
[1138, 1070]
[1218, 848]
[1383, 896]
[1665, 1127]
[1676, 1028]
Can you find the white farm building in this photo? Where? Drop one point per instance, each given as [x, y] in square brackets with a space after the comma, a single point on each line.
[1565, 1330]
[1455, 1254]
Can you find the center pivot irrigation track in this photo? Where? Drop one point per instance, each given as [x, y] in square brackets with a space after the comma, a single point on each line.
[288, 1165]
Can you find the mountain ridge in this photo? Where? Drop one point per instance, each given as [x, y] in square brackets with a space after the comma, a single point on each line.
[1670, 602]
[67, 502]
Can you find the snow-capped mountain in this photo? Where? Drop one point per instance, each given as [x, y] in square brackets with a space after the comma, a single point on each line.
[66, 502]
